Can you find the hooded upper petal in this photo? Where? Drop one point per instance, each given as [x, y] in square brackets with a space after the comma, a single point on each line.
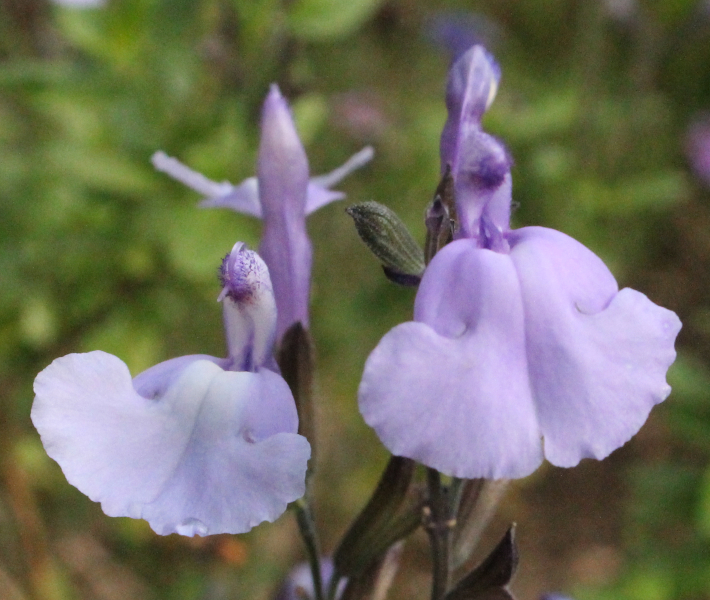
[451, 390]
[470, 90]
[216, 453]
[597, 357]
[478, 162]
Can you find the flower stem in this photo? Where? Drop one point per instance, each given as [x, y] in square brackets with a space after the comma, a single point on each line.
[306, 525]
[439, 522]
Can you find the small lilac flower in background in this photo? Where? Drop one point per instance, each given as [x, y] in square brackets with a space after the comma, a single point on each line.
[697, 148]
[298, 585]
[195, 445]
[522, 346]
[282, 195]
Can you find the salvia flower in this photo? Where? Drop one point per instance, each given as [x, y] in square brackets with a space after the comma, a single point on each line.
[195, 445]
[522, 345]
[282, 195]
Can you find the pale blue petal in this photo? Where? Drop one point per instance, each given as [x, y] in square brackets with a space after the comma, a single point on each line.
[202, 459]
[155, 381]
[597, 358]
[242, 198]
[452, 390]
[319, 192]
[319, 196]
[283, 185]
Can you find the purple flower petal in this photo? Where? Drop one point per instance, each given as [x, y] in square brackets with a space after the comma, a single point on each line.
[319, 192]
[155, 381]
[597, 358]
[479, 163]
[283, 183]
[217, 453]
[452, 390]
[472, 85]
[242, 198]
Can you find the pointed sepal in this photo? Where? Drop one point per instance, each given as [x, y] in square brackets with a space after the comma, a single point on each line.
[393, 511]
[441, 220]
[295, 359]
[377, 579]
[479, 499]
[490, 580]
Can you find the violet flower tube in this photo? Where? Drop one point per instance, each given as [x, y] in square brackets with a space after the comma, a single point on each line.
[522, 346]
[195, 445]
[282, 195]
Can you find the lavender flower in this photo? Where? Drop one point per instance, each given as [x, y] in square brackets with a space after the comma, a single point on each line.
[195, 445]
[282, 195]
[522, 345]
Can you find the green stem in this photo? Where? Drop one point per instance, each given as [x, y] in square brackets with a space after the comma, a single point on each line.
[333, 586]
[438, 525]
[306, 525]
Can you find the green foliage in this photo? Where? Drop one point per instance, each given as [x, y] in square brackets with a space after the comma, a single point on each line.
[97, 251]
[316, 20]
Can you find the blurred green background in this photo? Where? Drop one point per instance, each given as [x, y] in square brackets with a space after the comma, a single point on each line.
[97, 251]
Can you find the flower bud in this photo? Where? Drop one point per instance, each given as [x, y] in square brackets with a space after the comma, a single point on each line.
[249, 308]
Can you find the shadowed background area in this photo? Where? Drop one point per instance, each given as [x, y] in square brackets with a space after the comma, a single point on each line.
[604, 106]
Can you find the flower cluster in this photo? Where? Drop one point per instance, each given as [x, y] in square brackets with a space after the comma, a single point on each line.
[522, 347]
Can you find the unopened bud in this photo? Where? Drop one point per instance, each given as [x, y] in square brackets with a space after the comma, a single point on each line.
[249, 308]
[388, 238]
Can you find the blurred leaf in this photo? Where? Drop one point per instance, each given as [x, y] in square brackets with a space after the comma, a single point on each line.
[101, 169]
[38, 322]
[544, 116]
[648, 191]
[703, 515]
[317, 20]
[310, 112]
[197, 239]
[135, 342]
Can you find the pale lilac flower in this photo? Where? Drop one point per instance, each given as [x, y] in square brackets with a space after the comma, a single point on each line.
[195, 445]
[298, 584]
[522, 345]
[282, 195]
